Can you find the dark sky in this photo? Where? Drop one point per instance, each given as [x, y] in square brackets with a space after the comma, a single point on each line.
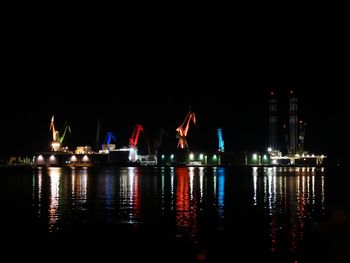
[135, 64]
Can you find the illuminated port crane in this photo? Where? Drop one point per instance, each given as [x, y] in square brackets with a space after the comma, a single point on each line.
[66, 128]
[183, 130]
[133, 142]
[135, 136]
[55, 135]
[57, 140]
[301, 136]
[221, 141]
[107, 146]
[109, 137]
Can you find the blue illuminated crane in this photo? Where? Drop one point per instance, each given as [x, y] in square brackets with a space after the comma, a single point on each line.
[221, 141]
[109, 137]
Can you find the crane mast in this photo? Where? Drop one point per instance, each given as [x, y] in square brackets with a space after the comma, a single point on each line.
[55, 145]
[66, 128]
[133, 156]
[109, 138]
[135, 136]
[56, 138]
[182, 130]
[221, 141]
[52, 127]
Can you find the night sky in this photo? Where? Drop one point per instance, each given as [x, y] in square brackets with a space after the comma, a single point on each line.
[148, 66]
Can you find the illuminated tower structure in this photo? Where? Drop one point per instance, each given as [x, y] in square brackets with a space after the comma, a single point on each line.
[273, 121]
[293, 123]
[301, 136]
[221, 141]
[182, 130]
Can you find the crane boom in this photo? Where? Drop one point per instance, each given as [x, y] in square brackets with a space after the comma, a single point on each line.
[221, 141]
[182, 130]
[109, 137]
[52, 127]
[55, 145]
[135, 136]
[56, 138]
[66, 128]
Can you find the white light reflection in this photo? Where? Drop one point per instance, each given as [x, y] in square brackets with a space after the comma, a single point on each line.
[291, 197]
[322, 194]
[201, 174]
[162, 175]
[54, 174]
[266, 195]
[131, 177]
[37, 191]
[214, 181]
[191, 173]
[83, 184]
[271, 176]
[255, 183]
[172, 174]
[40, 179]
[313, 189]
[163, 189]
[73, 174]
[127, 194]
[163, 193]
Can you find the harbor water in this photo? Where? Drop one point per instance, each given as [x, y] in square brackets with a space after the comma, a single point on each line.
[181, 214]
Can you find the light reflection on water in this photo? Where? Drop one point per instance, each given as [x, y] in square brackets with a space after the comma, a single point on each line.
[290, 198]
[221, 191]
[54, 175]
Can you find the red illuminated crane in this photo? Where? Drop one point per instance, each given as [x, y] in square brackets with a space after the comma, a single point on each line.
[183, 130]
[135, 136]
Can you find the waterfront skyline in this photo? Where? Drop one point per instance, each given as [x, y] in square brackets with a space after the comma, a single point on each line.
[152, 72]
[243, 118]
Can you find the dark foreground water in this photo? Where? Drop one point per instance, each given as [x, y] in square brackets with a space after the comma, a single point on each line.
[176, 214]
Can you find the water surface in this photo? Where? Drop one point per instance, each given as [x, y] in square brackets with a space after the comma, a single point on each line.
[187, 214]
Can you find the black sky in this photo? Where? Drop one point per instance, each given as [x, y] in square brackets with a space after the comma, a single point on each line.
[128, 65]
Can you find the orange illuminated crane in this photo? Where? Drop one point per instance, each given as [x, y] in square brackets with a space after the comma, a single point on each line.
[52, 127]
[57, 140]
[183, 130]
[55, 136]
